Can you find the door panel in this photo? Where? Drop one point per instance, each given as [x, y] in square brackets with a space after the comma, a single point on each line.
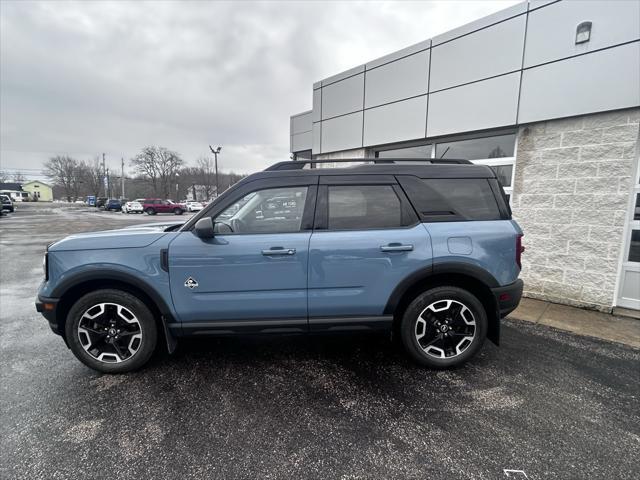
[353, 273]
[235, 280]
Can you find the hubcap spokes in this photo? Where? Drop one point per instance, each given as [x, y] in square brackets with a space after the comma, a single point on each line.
[110, 333]
[445, 329]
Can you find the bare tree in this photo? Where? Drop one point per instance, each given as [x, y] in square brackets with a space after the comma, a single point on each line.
[63, 170]
[18, 177]
[159, 166]
[92, 176]
[3, 176]
[206, 176]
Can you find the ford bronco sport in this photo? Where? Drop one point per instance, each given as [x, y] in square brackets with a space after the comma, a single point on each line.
[426, 251]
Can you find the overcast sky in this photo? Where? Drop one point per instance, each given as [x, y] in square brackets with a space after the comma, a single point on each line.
[93, 77]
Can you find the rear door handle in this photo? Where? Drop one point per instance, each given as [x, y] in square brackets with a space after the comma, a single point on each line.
[279, 251]
[396, 247]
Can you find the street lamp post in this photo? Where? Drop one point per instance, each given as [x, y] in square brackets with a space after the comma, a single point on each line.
[215, 152]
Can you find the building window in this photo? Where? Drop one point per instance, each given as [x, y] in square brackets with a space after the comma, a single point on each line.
[634, 246]
[304, 155]
[495, 151]
[499, 146]
[419, 151]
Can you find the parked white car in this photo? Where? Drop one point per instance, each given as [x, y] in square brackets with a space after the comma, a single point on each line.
[194, 206]
[132, 207]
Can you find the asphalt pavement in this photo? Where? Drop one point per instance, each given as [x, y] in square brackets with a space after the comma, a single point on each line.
[545, 404]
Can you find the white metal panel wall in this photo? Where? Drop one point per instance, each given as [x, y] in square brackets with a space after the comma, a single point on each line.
[344, 96]
[317, 106]
[404, 78]
[301, 123]
[604, 80]
[316, 132]
[485, 53]
[477, 106]
[301, 141]
[551, 32]
[396, 121]
[342, 133]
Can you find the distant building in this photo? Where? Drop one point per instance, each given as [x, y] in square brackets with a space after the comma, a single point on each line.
[14, 190]
[39, 191]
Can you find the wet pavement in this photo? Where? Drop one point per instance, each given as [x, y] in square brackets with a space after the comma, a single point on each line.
[547, 403]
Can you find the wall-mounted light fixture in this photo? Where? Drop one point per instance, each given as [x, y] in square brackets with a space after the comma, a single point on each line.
[583, 32]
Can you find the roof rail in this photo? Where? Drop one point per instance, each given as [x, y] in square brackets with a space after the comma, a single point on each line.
[299, 164]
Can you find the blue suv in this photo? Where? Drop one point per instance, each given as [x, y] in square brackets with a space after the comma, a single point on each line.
[427, 251]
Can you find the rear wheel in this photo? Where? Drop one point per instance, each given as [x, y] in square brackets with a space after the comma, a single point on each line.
[111, 331]
[177, 211]
[150, 211]
[444, 327]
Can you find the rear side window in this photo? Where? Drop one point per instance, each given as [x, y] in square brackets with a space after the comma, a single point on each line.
[360, 207]
[448, 200]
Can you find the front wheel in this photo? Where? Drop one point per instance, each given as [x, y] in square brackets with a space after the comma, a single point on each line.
[177, 211]
[150, 211]
[111, 331]
[444, 327]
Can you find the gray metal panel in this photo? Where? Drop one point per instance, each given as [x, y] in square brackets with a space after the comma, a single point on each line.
[486, 53]
[418, 47]
[315, 143]
[477, 106]
[342, 75]
[395, 122]
[317, 105]
[551, 32]
[397, 80]
[301, 141]
[342, 97]
[342, 133]
[480, 23]
[301, 123]
[599, 81]
[317, 84]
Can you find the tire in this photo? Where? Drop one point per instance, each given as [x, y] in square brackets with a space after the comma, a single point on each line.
[150, 211]
[431, 314]
[178, 211]
[84, 327]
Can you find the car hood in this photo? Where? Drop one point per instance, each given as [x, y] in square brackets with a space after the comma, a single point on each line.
[136, 237]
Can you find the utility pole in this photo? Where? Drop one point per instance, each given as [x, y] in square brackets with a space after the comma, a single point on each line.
[104, 177]
[122, 172]
[107, 187]
[215, 153]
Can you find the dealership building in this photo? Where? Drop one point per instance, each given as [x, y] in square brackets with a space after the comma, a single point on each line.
[547, 93]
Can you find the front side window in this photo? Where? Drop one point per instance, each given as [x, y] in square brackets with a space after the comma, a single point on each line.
[274, 210]
[361, 207]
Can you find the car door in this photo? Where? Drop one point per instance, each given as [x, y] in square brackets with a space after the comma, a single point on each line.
[366, 240]
[253, 274]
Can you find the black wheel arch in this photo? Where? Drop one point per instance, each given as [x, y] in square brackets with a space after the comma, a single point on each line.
[69, 291]
[467, 276]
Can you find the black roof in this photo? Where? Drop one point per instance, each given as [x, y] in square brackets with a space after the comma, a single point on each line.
[11, 186]
[436, 168]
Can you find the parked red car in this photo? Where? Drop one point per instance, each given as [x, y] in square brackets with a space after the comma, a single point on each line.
[151, 206]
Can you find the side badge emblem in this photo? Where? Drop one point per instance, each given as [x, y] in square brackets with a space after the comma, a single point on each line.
[190, 283]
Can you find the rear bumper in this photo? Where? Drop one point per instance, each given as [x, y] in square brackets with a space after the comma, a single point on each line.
[508, 297]
[48, 308]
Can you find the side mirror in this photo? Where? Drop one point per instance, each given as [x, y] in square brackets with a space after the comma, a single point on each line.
[204, 228]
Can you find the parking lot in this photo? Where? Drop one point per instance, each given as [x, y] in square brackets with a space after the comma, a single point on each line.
[546, 404]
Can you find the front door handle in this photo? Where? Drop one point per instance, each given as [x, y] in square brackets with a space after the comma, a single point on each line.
[396, 247]
[279, 251]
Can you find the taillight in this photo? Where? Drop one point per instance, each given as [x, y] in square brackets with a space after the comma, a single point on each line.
[519, 250]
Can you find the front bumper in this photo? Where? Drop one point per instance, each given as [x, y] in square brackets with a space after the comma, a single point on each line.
[48, 308]
[508, 297]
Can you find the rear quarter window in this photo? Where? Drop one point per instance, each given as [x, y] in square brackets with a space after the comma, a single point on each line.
[450, 200]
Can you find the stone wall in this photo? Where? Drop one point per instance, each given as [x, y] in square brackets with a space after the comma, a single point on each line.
[571, 197]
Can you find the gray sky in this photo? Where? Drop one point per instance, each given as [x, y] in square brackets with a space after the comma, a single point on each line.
[93, 77]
